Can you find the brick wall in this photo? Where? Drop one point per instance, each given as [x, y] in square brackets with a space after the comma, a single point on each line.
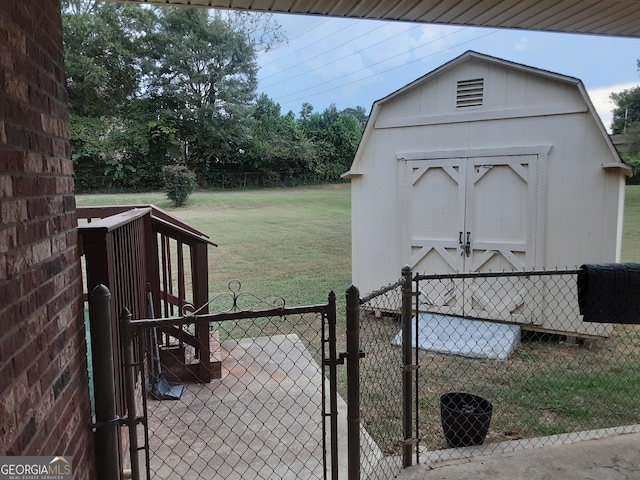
[44, 400]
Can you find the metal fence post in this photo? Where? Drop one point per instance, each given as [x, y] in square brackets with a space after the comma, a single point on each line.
[353, 383]
[407, 384]
[332, 361]
[130, 390]
[106, 426]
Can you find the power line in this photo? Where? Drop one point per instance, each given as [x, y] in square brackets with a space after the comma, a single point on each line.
[339, 58]
[393, 57]
[378, 73]
[305, 33]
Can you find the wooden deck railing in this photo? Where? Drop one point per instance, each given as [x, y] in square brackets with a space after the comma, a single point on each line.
[138, 249]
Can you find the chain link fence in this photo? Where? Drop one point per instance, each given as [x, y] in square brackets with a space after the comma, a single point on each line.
[506, 360]
[265, 416]
[381, 369]
[518, 341]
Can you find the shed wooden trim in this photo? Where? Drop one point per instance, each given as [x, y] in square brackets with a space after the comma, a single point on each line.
[476, 152]
[626, 169]
[479, 116]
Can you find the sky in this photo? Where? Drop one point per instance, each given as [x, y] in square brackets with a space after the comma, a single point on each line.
[350, 63]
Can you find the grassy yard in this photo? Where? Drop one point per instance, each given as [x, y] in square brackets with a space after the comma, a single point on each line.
[291, 243]
[631, 232]
[294, 243]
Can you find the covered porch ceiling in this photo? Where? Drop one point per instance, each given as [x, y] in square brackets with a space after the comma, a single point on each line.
[601, 17]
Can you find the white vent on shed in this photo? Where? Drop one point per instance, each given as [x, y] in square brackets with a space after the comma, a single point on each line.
[470, 93]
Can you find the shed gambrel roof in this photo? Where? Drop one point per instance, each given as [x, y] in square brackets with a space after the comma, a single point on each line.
[603, 17]
[354, 171]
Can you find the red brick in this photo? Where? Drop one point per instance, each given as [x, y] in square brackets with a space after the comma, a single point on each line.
[41, 251]
[18, 261]
[6, 186]
[7, 404]
[64, 185]
[60, 147]
[9, 292]
[37, 207]
[16, 136]
[21, 388]
[38, 99]
[25, 186]
[67, 222]
[11, 159]
[12, 211]
[41, 143]
[58, 243]
[9, 422]
[7, 239]
[6, 57]
[15, 86]
[36, 370]
[19, 113]
[44, 406]
[23, 359]
[33, 162]
[49, 124]
[45, 292]
[52, 165]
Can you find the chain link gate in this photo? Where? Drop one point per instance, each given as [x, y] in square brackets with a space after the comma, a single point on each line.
[272, 411]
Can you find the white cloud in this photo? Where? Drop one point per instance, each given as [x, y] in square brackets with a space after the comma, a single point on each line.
[603, 104]
[521, 44]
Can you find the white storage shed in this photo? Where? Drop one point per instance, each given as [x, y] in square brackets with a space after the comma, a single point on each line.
[486, 165]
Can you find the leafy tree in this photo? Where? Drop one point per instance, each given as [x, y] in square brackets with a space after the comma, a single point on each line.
[105, 51]
[279, 151]
[105, 45]
[150, 86]
[626, 121]
[306, 111]
[627, 111]
[335, 136]
[359, 113]
[207, 73]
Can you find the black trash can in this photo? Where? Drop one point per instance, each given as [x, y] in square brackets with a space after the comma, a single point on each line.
[465, 419]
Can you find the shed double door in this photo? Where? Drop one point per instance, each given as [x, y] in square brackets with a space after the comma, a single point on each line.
[475, 214]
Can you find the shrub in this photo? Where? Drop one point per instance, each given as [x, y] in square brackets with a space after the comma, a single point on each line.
[179, 183]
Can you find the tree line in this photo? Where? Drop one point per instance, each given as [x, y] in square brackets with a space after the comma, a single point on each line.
[151, 87]
[626, 121]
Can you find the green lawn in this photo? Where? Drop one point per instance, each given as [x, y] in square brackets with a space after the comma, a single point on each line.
[294, 243]
[631, 231]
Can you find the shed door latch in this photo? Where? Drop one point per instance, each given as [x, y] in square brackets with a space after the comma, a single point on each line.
[465, 247]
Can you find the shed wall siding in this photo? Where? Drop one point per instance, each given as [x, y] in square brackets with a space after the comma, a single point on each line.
[44, 397]
[580, 201]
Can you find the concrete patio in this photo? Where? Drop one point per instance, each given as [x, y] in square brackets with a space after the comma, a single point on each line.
[262, 419]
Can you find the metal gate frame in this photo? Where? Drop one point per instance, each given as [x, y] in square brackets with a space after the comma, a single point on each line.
[131, 335]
